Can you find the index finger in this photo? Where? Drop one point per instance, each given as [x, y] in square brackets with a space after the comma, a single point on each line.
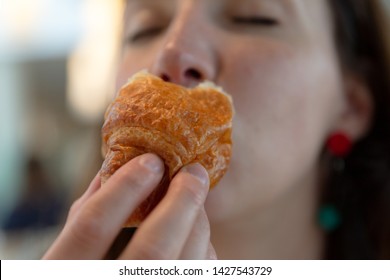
[89, 234]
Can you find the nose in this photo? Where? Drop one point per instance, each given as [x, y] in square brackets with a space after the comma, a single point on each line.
[182, 66]
[186, 56]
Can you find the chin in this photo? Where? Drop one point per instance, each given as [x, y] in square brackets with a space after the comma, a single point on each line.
[222, 203]
[231, 197]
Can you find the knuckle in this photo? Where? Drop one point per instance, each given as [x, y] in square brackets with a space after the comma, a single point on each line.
[87, 228]
[193, 191]
[137, 179]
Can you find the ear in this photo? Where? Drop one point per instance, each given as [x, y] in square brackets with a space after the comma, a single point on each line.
[356, 117]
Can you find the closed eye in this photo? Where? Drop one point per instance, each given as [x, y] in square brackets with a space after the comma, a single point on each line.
[255, 20]
[143, 34]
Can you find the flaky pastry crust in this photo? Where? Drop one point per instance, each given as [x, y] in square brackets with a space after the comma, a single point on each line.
[180, 125]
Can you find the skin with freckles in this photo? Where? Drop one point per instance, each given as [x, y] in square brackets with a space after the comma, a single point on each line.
[278, 60]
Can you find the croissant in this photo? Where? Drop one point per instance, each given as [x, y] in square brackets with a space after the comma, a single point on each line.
[180, 125]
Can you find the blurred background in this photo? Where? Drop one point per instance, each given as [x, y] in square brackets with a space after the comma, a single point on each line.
[57, 71]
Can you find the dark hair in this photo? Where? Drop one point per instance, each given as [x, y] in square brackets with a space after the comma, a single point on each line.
[361, 191]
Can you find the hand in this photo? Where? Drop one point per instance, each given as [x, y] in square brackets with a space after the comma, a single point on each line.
[177, 228]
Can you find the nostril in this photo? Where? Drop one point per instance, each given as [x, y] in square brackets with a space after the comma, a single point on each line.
[193, 73]
[165, 78]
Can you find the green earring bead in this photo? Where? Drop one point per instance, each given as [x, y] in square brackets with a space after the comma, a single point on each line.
[329, 217]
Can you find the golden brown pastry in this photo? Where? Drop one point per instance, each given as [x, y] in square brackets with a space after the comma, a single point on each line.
[180, 125]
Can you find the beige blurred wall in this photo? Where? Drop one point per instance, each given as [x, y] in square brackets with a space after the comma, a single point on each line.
[51, 51]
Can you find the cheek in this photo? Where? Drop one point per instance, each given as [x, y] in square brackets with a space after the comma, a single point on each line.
[286, 101]
[284, 91]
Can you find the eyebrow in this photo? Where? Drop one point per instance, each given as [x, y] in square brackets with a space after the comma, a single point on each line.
[292, 7]
[130, 3]
[138, 1]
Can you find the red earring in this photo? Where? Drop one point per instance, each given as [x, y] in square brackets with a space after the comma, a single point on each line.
[339, 144]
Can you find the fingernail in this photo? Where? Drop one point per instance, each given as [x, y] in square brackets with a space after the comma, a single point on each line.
[151, 162]
[198, 172]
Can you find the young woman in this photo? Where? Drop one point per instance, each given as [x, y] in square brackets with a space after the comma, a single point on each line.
[309, 173]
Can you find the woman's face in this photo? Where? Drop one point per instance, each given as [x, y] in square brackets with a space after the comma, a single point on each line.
[278, 61]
